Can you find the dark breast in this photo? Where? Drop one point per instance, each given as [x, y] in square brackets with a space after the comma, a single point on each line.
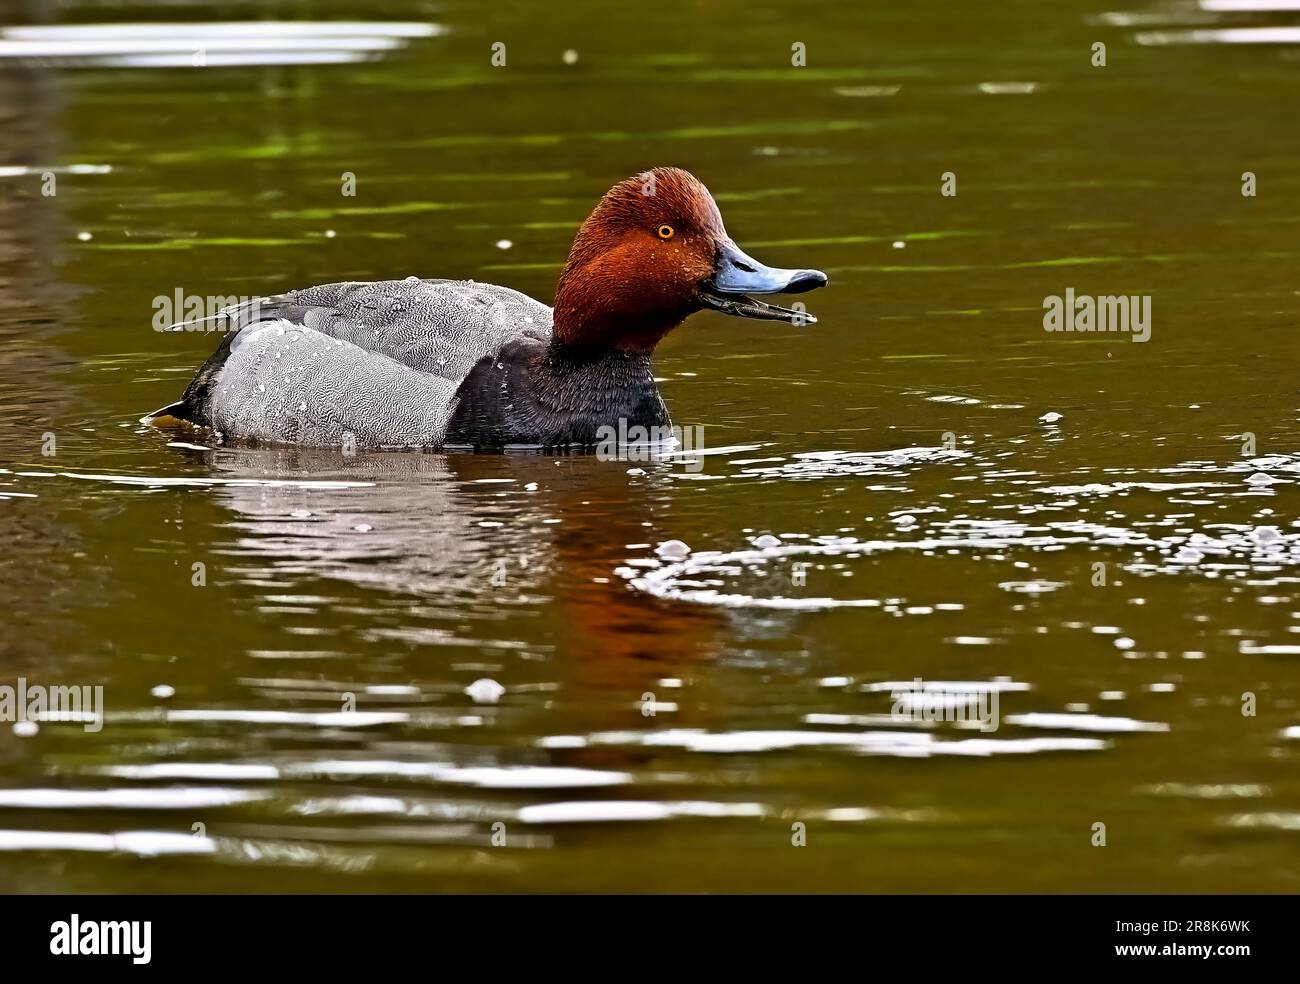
[555, 396]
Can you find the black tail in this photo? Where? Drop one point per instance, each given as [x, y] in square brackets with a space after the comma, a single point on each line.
[195, 403]
[176, 410]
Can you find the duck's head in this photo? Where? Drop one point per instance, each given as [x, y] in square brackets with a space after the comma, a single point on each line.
[653, 251]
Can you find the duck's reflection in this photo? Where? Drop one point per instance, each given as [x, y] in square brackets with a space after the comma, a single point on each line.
[405, 524]
[493, 552]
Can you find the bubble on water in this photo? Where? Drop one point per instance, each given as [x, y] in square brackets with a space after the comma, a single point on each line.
[301, 514]
[485, 691]
[570, 57]
[85, 237]
[163, 691]
[1259, 478]
[850, 814]
[673, 550]
[26, 729]
[1264, 535]
[1035, 587]
[766, 541]
[363, 527]
[905, 520]
[1050, 417]
[504, 244]
[835, 681]
[1124, 642]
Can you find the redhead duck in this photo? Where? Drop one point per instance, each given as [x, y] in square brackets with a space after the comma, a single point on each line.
[432, 363]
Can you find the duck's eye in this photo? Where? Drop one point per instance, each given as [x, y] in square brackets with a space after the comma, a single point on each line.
[665, 231]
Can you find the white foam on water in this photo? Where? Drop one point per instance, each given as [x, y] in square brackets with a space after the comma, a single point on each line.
[209, 45]
[319, 719]
[224, 771]
[606, 811]
[1228, 35]
[172, 798]
[905, 744]
[1083, 722]
[162, 482]
[486, 777]
[141, 843]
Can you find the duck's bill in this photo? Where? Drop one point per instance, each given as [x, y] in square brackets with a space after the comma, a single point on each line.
[737, 275]
[740, 306]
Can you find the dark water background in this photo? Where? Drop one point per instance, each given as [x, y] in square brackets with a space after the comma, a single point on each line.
[402, 579]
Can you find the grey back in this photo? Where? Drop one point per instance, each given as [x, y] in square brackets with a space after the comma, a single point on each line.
[377, 363]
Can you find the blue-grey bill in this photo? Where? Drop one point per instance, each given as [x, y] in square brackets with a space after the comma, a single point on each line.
[737, 275]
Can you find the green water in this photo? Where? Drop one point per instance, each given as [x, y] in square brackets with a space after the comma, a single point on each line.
[1119, 566]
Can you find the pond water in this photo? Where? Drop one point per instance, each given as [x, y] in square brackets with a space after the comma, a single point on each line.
[881, 500]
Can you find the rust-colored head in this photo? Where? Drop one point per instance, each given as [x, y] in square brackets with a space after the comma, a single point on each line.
[653, 251]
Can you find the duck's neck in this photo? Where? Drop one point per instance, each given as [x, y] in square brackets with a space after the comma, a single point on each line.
[591, 329]
[597, 386]
[591, 312]
[558, 394]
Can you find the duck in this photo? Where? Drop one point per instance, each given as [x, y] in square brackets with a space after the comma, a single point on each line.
[438, 364]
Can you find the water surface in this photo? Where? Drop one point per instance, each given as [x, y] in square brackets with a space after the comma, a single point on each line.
[882, 500]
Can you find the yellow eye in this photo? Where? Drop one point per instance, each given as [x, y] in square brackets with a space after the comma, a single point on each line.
[665, 231]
